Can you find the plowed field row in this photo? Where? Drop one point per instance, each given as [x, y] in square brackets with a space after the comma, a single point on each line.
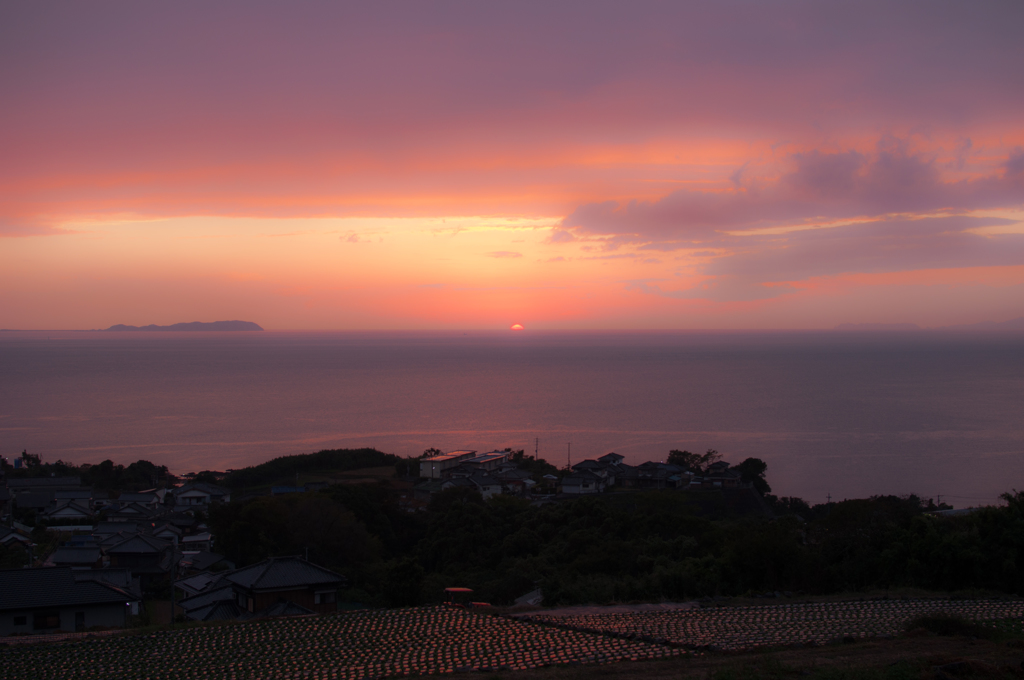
[355, 645]
[738, 628]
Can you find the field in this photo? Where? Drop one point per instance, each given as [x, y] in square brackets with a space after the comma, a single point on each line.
[428, 641]
[366, 644]
[744, 628]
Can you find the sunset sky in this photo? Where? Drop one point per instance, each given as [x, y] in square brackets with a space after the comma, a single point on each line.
[563, 165]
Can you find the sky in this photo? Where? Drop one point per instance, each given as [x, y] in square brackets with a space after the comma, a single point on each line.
[562, 165]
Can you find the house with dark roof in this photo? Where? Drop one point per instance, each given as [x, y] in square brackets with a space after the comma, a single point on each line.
[582, 482]
[9, 537]
[260, 589]
[200, 494]
[50, 600]
[148, 557]
[150, 499]
[66, 510]
[76, 557]
[33, 500]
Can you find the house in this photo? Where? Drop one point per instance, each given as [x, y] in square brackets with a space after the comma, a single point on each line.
[424, 490]
[582, 482]
[76, 557]
[200, 494]
[487, 485]
[147, 499]
[261, 589]
[9, 537]
[515, 482]
[166, 532]
[148, 557]
[487, 461]
[204, 560]
[50, 600]
[134, 511]
[33, 500]
[67, 511]
[201, 541]
[434, 467]
[5, 500]
[119, 578]
[611, 459]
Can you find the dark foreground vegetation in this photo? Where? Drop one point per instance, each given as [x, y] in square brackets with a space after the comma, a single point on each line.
[618, 546]
[624, 546]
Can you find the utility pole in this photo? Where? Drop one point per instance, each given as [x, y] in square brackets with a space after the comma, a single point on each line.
[568, 457]
[536, 447]
[828, 496]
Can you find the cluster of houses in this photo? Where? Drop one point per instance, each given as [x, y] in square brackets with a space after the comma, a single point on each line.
[493, 473]
[488, 473]
[120, 548]
[596, 475]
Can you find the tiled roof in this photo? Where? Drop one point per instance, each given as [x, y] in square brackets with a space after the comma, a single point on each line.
[283, 572]
[34, 499]
[203, 560]
[219, 611]
[69, 555]
[115, 527]
[211, 489]
[52, 587]
[81, 494]
[126, 497]
[217, 593]
[138, 544]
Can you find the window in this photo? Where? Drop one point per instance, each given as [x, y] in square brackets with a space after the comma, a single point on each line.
[43, 620]
[20, 620]
[326, 597]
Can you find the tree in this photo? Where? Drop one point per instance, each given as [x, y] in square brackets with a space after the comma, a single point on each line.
[693, 461]
[753, 471]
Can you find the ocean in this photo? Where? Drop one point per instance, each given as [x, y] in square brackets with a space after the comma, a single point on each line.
[840, 415]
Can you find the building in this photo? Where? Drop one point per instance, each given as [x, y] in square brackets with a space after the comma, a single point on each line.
[51, 600]
[487, 461]
[435, 466]
[200, 494]
[278, 586]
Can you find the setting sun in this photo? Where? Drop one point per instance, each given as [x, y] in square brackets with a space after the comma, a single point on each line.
[517, 326]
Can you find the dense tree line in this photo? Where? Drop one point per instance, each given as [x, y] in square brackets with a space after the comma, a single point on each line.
[626, 546]
[105, 477]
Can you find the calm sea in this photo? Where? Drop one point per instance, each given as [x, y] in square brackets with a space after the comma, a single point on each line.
[844, 414]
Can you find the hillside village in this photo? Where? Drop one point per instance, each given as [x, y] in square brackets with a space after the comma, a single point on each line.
[94, 557]
[496, 472]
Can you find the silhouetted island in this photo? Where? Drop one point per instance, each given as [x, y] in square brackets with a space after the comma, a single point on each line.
[193, 326]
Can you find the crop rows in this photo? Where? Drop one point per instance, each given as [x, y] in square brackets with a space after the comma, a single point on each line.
[367, 644]
[737, 628]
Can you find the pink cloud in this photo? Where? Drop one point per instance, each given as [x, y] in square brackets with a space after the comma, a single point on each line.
[816, 187]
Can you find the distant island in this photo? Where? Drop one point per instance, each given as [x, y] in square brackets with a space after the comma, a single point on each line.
[193, 326]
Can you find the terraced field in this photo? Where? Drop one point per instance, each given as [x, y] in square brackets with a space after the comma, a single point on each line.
[354, 645]
[430, 640]
[738, 628]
